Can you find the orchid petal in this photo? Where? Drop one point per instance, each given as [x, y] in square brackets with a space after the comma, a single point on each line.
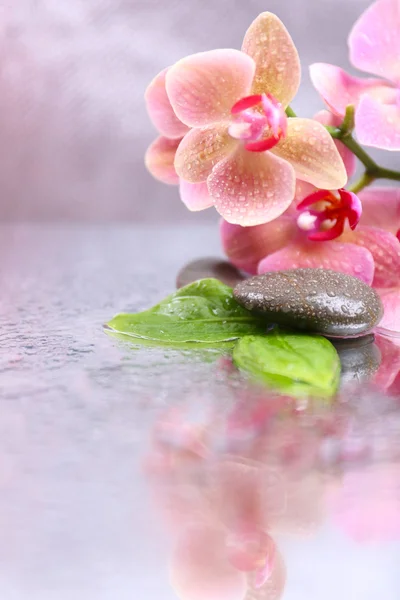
[378, 124]
[374, 41]
[246, 246]
[339, 89]
[303, 189]
[352, 207]
[278, 71]
[200, 150]
[381, 208]
[250, 189]
[315, 196]
[345, 258]
[159, 160]
[390, 323]
[385, 250]
[327, 118]
[160, 109]
[329, 234]
[195, 195]
[311, 151]
[203, 87]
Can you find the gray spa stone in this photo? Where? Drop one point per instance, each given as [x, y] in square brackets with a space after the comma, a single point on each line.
[314, 300]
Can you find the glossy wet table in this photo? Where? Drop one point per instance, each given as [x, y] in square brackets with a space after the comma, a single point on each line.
[77, 408]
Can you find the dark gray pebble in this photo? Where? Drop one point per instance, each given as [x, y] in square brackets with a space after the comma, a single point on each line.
[314, 300]
[208, 267]
[360, 358]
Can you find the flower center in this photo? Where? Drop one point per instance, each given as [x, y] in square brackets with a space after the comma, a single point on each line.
[326, 213]
[260, 121]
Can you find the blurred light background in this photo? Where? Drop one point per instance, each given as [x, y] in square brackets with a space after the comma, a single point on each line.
[73, 126]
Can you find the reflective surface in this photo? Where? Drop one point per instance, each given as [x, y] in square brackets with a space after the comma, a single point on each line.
[121, 466]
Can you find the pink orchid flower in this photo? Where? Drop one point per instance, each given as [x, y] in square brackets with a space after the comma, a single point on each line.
[313, 232]
[374, 47]
[241, 152]
[369, 253]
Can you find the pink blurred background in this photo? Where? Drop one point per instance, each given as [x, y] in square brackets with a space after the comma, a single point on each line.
[73, 72]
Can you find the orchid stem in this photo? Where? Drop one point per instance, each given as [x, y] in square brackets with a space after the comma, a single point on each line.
[363, 182]
[370, 165]
[290, 112]
[372, 170]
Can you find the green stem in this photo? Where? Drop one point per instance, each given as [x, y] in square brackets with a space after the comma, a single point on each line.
[348, 123]
[388, 174]
[290, 112]
[372, 170]
[363, 182]
[369, 164]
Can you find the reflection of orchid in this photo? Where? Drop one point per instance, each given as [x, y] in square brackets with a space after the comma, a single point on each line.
[241, 147]
[366, 503]
[374, 47]
[387, 377]
[222, 506]
[209, 565]
[235, 479]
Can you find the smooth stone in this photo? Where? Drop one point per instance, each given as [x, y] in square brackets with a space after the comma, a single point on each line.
[360, 358]
[314, 300]
[208, 267]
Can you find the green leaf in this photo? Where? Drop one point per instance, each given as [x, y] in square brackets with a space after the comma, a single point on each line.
[203, 312]
[295, 364]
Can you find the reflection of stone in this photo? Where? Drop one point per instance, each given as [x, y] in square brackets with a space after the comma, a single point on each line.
[209, 267]
[360, 359]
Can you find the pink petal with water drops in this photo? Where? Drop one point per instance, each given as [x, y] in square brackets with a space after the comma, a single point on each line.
[160, 109]
[374, 41]
[203, 87]
[381, 208]
[251, 188]
[390, 323]
[377, 124]
[339, 89]
[278, 70]
[195, 195]
[200, 570]
[345, 258]
[201, 149]
[327, 118]
[311, 151]
[159, 160]
[246, 246]
[385, 250]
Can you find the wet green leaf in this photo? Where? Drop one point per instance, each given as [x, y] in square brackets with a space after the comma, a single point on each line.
[295, 364]
[203, 312]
